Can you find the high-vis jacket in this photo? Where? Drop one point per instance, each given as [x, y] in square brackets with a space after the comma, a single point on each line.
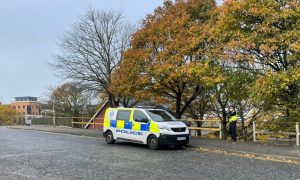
[233, 118]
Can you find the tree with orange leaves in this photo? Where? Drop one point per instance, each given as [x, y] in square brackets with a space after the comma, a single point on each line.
[167, 60]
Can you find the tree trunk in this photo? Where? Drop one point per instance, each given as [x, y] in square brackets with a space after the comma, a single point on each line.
[178, 107]
[200, 123]
[224, 124]
[112, 101]
[244, 130]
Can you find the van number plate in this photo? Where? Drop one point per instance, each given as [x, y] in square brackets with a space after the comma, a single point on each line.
[181, 138]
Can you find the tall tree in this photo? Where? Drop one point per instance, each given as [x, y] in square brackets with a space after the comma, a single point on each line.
[265, 33]
[93, 48]
[166, 57]
[234, 90]
[71, 99]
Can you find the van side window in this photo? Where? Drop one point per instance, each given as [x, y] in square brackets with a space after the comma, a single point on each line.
[123, 115]
[139, 116]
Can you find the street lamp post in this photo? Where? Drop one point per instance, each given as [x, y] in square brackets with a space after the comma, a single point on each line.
[53, 109]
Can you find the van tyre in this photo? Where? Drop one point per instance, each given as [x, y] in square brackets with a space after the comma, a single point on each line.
[109, 137]
[153, 142]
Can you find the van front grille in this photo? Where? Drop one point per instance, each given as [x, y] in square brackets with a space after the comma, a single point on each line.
[178, 129]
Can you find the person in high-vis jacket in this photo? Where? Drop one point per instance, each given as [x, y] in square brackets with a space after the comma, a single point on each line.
[232, 117]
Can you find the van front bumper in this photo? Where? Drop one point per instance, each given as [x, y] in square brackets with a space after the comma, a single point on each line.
[173, 140]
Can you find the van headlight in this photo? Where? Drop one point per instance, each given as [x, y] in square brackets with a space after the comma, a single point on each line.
[164, 127]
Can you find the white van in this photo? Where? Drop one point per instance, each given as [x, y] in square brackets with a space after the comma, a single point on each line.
[154, 127]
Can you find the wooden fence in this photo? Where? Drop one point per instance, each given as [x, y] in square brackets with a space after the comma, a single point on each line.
[194, 127]
[296, 133]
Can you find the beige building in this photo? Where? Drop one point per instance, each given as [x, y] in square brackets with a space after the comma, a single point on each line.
[27, 105]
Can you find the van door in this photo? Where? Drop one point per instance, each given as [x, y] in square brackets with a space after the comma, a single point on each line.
[140, 124]
[123, 126]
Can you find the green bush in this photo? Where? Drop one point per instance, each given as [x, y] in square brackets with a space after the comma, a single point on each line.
[7, 115]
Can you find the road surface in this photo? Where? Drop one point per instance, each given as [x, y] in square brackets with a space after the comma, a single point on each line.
[39, 155]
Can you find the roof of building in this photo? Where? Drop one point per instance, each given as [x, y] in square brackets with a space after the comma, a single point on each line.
[26, 98]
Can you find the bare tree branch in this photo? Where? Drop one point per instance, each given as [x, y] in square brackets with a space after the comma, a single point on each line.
[93, 48]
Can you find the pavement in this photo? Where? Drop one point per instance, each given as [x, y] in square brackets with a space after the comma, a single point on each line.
[34, 154]
[273, 152]
[266, 151]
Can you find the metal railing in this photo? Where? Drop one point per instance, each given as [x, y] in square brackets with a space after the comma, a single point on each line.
[79, 122]
[84, 122]
[296, 133]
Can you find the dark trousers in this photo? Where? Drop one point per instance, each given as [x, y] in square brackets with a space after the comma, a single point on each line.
[232, 130]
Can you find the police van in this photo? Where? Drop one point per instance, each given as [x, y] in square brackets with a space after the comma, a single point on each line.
[153, 127]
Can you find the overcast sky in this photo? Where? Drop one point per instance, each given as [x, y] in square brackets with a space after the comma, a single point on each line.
[29, 31]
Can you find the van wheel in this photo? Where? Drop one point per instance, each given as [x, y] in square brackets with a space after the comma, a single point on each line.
[152, 142]
[109, 137]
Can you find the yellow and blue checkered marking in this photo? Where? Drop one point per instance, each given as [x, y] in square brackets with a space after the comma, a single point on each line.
[128, 125]
[145, 127]
[120, 124]
[113, 123]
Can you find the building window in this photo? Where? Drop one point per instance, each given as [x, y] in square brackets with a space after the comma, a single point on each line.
[18, 107]
[23, 107]
[29, 110]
